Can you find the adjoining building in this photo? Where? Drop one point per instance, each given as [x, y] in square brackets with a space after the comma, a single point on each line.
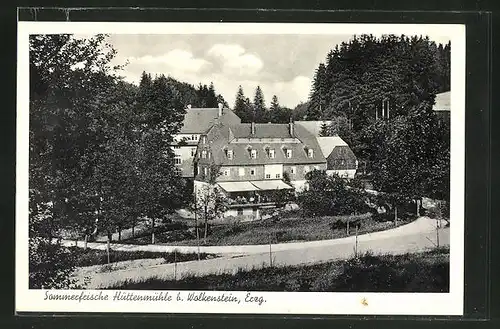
[196, 122]
[442, 106]
[252, 161]
[339, 157]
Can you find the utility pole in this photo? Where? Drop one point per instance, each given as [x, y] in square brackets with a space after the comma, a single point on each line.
[270, 252]
[196, 223]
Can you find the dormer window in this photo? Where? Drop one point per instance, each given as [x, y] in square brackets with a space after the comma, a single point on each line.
[229, 154]
[271, 153]
[253, 154]
[310, 153]
[288, 153]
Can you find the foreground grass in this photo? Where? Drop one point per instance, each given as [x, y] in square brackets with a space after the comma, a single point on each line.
[292, 229]
[417, 272]
[92, 257]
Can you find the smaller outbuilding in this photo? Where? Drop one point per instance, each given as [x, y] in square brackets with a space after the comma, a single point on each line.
[340, 159]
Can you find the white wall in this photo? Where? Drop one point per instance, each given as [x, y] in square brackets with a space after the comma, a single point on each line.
[348, 173]
[184, 152]
[273, 170]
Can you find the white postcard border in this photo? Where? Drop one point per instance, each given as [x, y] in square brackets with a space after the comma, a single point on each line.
[451, 303]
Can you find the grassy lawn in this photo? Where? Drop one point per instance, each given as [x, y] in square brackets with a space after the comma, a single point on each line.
[417, 272]
[92, 257]
[287, 229]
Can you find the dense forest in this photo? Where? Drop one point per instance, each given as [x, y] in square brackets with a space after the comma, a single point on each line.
[403, 149]
[100, 155]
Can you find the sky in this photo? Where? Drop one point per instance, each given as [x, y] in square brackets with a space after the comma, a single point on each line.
[282, 65]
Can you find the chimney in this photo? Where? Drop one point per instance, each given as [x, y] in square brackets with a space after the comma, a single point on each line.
[220, 108]
[252, 127]
[290, 125]
[189, 106]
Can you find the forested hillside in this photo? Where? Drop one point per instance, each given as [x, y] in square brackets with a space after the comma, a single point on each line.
[403, 149]
[358, 75]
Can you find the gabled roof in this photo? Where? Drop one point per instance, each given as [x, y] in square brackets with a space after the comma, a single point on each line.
[443, 101]
[327, 144]
[199, 120]
[314, 127]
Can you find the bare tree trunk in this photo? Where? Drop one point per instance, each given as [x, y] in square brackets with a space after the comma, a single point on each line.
[133, 229]
[395, 216]
[119, 233]
[418, 207]
[85, 242]
[206, 224]
[347, 227]
[152, 230]
[107, 248]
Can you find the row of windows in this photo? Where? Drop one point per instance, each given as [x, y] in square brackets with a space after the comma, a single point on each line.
[271, 153]
[252, 171]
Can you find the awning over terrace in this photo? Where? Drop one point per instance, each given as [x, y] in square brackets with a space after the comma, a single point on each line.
[271, 185]
[238, 186]
[261, 185]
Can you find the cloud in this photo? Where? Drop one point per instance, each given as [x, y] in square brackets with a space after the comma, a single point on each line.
[176, 59]
[234, 59]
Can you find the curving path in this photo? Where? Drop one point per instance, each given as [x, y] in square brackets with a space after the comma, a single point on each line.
[416, 236]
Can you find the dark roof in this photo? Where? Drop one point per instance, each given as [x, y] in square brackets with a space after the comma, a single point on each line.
[314, 127]
[199, 120]
[262, 130]
[220, 136]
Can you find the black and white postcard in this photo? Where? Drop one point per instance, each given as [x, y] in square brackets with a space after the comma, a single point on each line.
[240, 168]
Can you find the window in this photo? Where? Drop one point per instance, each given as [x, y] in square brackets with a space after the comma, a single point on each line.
[194, 137]
[177, 161]
[204, 154]
[241, 171]
[288, 153]
[310, 153]
[225, 172]
[268, 176]
[252, 172]
[293, 170]
[306, 169]
[205, 171]
[230, 154]
[204, 140]
[240, 211]
[177, 147]
[253, 154]
[278, 175]
[193, 152]
[271, 153]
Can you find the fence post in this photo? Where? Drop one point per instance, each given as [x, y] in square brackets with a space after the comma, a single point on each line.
[175, 264]
[437, 232]
[107, 248]
[356, 243]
